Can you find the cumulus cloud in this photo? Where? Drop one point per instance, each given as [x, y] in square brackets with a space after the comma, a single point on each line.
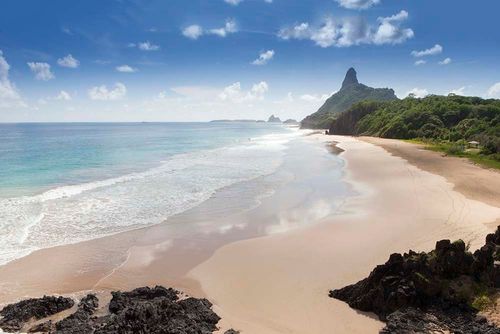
[264, 58]
[68, 61]
[314, 97]
[458, 91]
[445, 61]
[420, 62]
[41, 70]
[357, 4]
[144, 46]
[351, 31]
[418, 92]
[9, 96]
[234, 93]
[494, 91]
[125, 69]
[63, 96]
[435, 50]
[104, 94]
[229, 28]
[193, 31]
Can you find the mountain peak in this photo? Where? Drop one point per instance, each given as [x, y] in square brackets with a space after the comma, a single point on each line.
[350, 78]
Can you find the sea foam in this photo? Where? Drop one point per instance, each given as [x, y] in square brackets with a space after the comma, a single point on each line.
[74, 213]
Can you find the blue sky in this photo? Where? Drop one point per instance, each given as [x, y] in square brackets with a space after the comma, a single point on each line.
[183, 60]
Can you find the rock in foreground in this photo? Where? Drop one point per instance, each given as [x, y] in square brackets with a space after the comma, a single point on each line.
[442, 289]
[14, 316]
[143, 310]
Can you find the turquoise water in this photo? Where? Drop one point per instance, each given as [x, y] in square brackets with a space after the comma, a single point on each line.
[64, 183]
[36, 157]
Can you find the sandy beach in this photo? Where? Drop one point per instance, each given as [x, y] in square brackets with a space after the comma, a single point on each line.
[279, 284]
[268, 261]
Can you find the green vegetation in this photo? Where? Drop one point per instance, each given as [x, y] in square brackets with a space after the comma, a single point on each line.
[482, 302]
[443, 123]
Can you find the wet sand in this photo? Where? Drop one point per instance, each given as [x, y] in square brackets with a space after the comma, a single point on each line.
[280, 284]
[295, 194]
[267, 251]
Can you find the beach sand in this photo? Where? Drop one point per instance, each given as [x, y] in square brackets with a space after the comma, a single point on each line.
[267, 256]
[279, 284]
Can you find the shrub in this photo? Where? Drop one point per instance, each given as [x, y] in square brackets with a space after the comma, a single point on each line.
[456, 148]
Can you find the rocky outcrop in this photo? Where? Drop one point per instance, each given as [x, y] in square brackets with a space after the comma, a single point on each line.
[449, 281]
[349, 94]
[143, 310]
[14, 316]
[80, 322]
[437, 320]
[274, 119]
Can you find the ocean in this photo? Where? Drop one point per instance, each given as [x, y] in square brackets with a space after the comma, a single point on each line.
[63, 183]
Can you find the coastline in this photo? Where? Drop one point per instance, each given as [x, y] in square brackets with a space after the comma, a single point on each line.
[280, 283]
[268, 267]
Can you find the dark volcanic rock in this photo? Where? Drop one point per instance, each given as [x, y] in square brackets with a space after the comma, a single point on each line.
[122, 300]
[143, 311]
[14, 316]
[448, 278]
[436, 320]
[80, 321]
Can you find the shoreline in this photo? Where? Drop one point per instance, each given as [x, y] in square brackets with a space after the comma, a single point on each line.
[284, 280]
[278, 281]
[164, 253]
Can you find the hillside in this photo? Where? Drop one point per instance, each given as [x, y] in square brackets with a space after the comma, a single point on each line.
[447, 121]
[350, 93]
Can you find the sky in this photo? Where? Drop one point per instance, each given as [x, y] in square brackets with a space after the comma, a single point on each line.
[198, 60]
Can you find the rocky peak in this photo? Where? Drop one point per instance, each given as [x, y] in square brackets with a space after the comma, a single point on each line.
[350, 78]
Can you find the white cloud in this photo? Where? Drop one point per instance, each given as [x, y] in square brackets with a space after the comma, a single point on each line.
[314, 97]
[445, 61]
[351, 31]
[229, 28]
[418, 92]
[145, 46]
[41, 70]
[435, 50]
[237, 2]
[357, 4]
[104, 94]
[64, 96]
[420, 62]
[458, 91]
[264, 58]
[9, 96]
[389, 30]
[68, 61]
[234, 93]
[125, 69]
[193, 31]
[494, 91]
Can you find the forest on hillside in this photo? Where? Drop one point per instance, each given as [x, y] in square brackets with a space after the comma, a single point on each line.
[453, 119]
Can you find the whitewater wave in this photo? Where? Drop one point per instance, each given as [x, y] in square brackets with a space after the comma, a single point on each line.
[75, 213]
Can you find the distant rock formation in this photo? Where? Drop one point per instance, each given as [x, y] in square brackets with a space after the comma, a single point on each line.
[291, 122]
[273, 119]
[440, 291]
[351, 92]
